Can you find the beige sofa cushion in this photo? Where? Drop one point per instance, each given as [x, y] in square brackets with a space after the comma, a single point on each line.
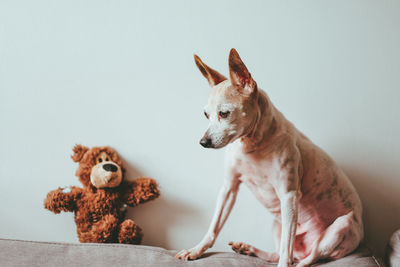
[29, 253]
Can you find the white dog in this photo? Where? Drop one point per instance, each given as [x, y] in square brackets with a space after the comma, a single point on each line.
[317, 210]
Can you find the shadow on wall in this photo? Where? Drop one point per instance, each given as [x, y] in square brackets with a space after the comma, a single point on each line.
[157, 216]
[381, 202]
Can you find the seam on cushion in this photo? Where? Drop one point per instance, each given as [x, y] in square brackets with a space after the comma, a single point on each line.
[376, 261]
[258, 261]
[373, 254]
[85, 244]
[89, 245]
[94, 245]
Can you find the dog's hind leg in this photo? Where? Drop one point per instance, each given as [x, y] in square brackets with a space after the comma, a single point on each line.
[250, 250]
[338, 240]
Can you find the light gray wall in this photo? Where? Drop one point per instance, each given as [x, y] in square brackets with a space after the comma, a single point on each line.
[121, 73]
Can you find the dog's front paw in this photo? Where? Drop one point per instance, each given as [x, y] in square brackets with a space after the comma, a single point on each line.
[189, 254]
[242, 248]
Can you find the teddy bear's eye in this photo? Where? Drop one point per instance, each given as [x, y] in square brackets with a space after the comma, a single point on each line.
[100, 160]
[107, 159]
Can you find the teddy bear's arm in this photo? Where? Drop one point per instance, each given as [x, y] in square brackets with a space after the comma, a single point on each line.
[62, 199]
[140, 190]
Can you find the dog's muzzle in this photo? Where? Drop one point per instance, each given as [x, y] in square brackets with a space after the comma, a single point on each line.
[206, 142]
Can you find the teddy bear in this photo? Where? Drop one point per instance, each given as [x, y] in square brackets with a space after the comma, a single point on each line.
[100, 206]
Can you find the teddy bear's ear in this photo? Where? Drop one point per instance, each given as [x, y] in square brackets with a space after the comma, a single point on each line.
[79, 151]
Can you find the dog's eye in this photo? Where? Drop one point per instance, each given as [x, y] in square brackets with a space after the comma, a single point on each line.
[100, 160]
[206, 114]
[223, 114]
[107, 159]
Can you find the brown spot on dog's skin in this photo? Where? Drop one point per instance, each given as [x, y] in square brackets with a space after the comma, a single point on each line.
[347, 204]
[341, 193]
[334, 181]
[273, 127]
[317, 171]
[344, 197]
[329, 193]
[319, 196]
[326, 160]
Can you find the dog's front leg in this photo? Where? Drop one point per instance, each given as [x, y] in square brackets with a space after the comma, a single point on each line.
[289, 194]
[225, 203]
[289, 222]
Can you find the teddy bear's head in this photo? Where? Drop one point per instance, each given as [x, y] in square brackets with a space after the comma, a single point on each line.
[100, 167]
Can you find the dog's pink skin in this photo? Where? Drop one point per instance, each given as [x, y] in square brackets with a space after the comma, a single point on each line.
[317, 210]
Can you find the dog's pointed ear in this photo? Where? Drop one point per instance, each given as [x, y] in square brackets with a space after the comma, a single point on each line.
[213, 77]
[239, 74]
[79, 151]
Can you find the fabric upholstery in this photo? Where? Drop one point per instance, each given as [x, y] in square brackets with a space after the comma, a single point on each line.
[30, 253]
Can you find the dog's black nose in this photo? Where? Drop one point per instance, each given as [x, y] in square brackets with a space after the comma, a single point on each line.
[110, 167]
[206, 142]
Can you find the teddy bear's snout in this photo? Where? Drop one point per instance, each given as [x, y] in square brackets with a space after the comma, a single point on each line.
[110, 167]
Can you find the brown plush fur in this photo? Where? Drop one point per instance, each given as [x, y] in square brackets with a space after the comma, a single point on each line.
[100, 212]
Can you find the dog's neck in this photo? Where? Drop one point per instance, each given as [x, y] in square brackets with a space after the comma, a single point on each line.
[267, 122]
